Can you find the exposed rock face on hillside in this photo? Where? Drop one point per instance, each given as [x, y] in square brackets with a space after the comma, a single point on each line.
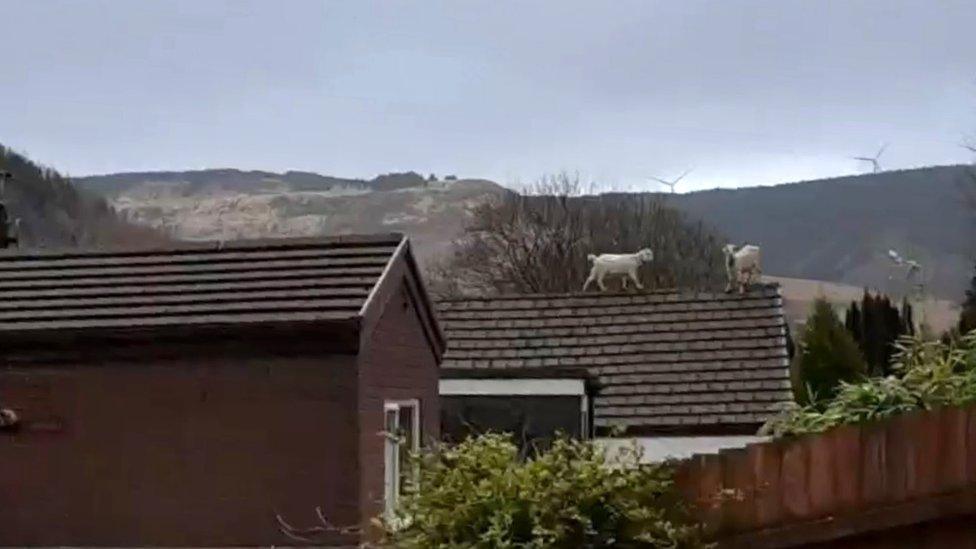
[227, 205]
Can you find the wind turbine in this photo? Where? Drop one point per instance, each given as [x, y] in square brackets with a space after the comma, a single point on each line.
[671, 184]
[875, 166]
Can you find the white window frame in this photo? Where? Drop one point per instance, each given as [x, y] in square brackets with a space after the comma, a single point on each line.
[391, 450]
[585, 417]
[523, 387]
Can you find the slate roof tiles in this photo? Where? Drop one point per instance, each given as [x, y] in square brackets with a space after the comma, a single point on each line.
[662, 360]
[241, 282]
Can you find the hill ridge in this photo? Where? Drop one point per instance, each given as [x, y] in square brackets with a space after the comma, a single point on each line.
[833, 229]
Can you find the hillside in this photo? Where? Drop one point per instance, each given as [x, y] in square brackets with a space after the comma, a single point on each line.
[232, 204]
[54, 213]
[834, 229]
[840, 229]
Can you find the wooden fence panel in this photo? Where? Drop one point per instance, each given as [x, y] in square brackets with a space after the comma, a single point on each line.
[766, 460]
[846, 446]
[795, 494]
[851, 472]
[954, 445]
[873, 464]
[739, 491]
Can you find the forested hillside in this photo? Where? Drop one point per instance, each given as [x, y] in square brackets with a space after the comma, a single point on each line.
[840, 229]
[54, 213]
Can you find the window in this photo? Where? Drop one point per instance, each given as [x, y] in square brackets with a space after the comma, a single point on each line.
[401, 423]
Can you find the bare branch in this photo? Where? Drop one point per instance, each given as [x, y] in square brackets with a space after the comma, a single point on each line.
[538, 241]
[309, 535]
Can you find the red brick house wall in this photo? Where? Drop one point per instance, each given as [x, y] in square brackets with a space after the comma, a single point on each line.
[397, 365]
[177, 453]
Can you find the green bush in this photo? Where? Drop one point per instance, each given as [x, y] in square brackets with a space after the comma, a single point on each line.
[828, 357]
[480, 494]
[927, 374]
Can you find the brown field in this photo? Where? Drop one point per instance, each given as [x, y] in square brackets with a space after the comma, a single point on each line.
[798, 296]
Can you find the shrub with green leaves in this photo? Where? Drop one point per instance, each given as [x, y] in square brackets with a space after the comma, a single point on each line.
[927, 374]
[480, 494]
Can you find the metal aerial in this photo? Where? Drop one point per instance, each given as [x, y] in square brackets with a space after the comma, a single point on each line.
[913, 270]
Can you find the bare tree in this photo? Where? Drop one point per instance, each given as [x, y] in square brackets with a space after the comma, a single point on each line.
[537, 241]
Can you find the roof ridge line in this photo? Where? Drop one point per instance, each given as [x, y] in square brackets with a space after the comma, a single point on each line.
[598, 295]
[182, 247]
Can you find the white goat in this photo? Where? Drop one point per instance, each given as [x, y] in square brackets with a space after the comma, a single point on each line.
[741, 265]
[625, 265]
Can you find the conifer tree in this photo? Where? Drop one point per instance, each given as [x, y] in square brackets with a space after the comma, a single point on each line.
[827, 356]
[876, 325]
[967, 318]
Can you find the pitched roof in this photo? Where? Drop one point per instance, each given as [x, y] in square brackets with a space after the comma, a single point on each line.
[665, 361]
[293, 280]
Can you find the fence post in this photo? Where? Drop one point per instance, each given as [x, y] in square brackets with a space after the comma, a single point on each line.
[873, 462]
[955, 444]
[898, 450]
[846, 446]
[766, 461]
[796, 498]
[739, 491]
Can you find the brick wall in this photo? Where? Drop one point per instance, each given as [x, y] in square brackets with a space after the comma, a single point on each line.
[177, 453]
[395, 364]
[900, 475]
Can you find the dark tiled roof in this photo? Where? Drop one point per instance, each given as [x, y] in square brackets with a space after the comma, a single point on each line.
[291, 280]
[662, 360]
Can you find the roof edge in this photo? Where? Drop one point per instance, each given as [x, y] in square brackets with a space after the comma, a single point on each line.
[578, 294]
[198, 246]
[427, 317]
[390, 262]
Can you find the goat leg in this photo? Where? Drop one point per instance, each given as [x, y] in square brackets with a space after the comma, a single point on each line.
[590, 279]
[637, 282]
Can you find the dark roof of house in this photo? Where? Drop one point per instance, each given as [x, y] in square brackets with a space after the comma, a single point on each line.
[662, 361]
[245, 282]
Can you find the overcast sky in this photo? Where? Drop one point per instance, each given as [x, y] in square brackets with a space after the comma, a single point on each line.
[744, 92]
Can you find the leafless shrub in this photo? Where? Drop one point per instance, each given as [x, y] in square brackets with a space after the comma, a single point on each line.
[537, 241]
